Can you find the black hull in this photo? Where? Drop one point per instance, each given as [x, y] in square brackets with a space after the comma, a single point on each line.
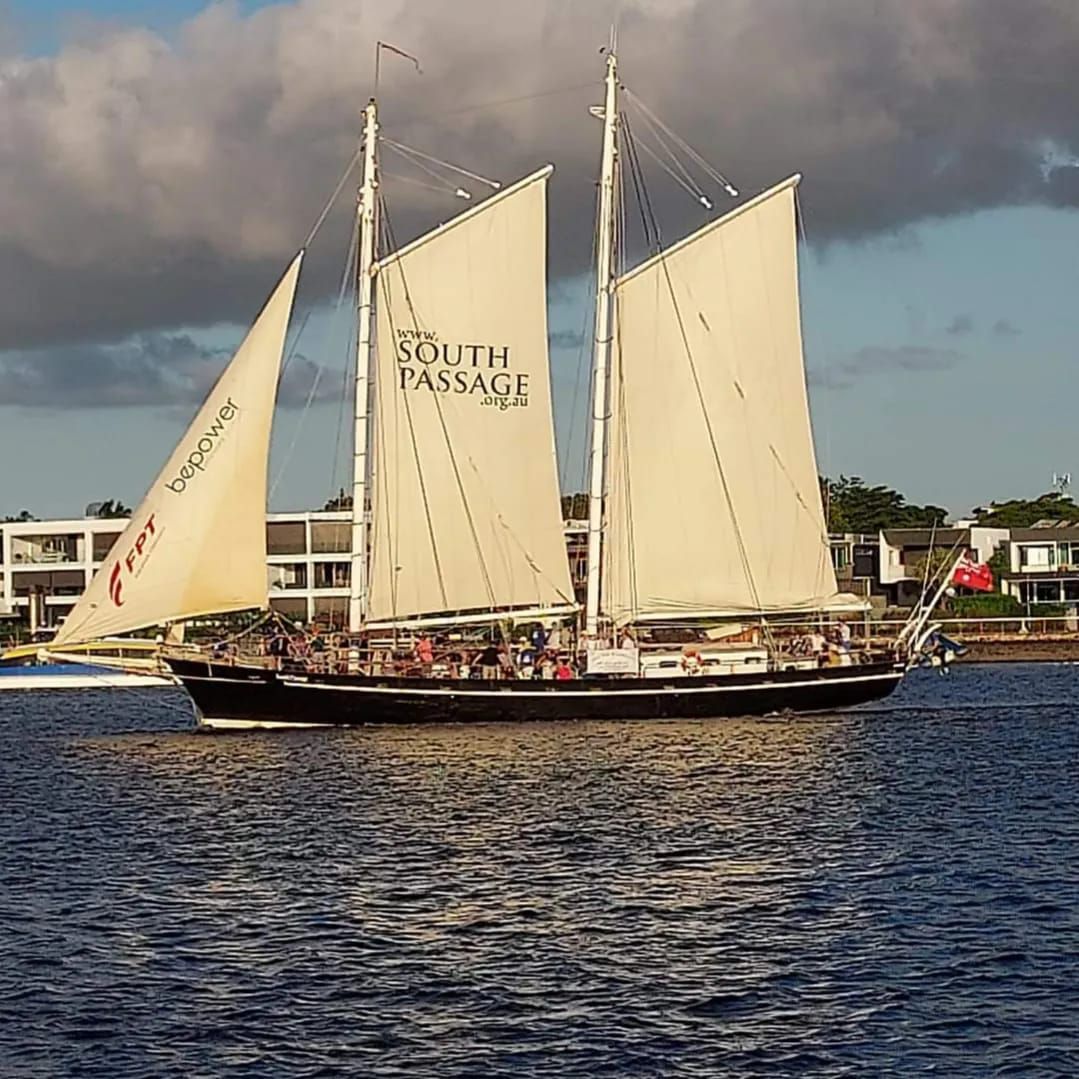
[238, 696]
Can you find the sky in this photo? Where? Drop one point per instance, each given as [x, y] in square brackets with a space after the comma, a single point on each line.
[160, 160]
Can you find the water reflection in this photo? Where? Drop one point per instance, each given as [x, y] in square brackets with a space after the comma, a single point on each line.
[745, 897]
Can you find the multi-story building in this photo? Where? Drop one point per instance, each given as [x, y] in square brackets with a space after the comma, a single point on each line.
[904, 551]
[46, 565]
[1043, 564]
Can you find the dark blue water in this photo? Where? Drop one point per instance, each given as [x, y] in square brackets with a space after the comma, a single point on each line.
[886, 893]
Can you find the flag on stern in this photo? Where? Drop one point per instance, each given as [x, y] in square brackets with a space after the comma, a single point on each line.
[971, 574]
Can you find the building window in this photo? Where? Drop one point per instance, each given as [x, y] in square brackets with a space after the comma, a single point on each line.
[1067, 554]
[331, 613]
[1071, 591]
[294, 609]
[841, 557]
[46, 549]
[331, 537]
[1046, 591]
[288, 576]
[49, 583]
[102, 544]
[1040, 557]
[286, 537]
[332, 574]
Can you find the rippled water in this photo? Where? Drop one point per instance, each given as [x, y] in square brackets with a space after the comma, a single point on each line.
[891, 892]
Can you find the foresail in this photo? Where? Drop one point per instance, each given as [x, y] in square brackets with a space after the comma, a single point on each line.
[466, 508]
[713, 499]
[197, 543]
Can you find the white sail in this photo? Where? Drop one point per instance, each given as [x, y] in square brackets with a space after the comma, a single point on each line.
[714, 505]
[466, 508]
[197, 543]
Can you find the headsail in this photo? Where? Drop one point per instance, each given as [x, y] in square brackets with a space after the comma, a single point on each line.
[466, 510]
[714, 504]
[197, 543]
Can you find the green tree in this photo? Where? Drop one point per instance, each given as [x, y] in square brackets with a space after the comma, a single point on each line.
[112, 508]
[853, 506]
[23, 515]
[340, 501]
[1024, 512]
[575, 506]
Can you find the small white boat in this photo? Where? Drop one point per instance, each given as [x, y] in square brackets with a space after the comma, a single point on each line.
[100, 664]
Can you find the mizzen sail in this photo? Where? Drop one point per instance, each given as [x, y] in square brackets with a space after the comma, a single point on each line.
[713, 498]
[197, 542]
[466, 512]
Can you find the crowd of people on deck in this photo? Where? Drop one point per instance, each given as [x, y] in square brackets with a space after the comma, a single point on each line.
[540, 655]
[543, 653]
[830, 646]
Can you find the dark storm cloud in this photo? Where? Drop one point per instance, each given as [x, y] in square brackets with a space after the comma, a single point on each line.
[151, 369]
[884, 360]
[1005, 328]
[565, 339]
[146, 184]
[960, 325]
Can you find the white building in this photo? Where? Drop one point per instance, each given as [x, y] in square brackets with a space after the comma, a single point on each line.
[1044, 564]
[46, 565]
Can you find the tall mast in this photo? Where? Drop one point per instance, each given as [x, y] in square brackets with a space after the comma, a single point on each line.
[602, 350]
[367, 224]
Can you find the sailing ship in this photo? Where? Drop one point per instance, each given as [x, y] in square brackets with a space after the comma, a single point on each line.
[704, 504]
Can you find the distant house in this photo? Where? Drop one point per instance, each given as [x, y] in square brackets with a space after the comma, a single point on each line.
[903, 554]
[1043, 564]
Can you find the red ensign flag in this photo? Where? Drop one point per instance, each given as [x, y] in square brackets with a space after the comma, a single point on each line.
[971, 574]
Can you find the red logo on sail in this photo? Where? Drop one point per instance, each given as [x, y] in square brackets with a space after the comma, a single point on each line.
[129, 562]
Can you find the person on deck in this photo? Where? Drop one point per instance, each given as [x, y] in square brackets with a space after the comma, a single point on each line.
[488, 662]
[563, 671]
[425, 653]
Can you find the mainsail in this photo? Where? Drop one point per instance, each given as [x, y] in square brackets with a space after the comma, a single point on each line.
[197, 543]
[466, 510]
[713, 501]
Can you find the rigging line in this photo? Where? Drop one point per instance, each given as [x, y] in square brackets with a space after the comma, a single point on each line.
[621, 427]
[187, 710]
[824, 555]
[296, 433]
[799, 217]
[411, 151]
[713, 172]
[691, 185]
[479, 106]
[295, 345]
[691, 189]
[445, 189]
[928, 560]
[333, 198]
[303, 413]
[578, 381]
[345, 289]
[649, 222]
[408, 416]
[335, 461]
[627, 482]
[449, 447]
[428, 170]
